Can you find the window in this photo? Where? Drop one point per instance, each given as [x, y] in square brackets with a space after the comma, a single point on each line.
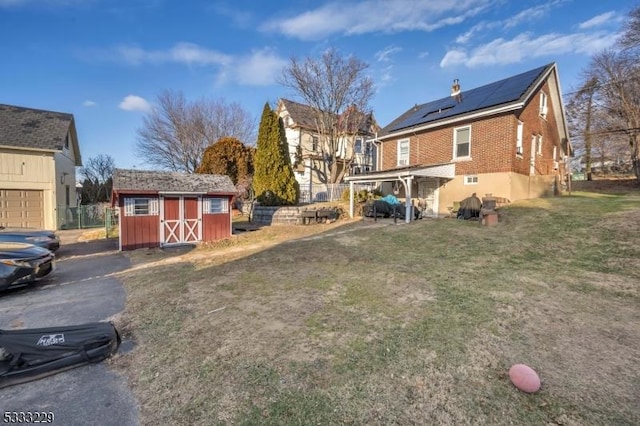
[539, 144]
[314, 143]
[140, 206]
[403, 152]
[215, 205]
[555, 153]
[462, 142]
[519, 138]
[471, 180]
[67, 195]
[66, 142]
[357, 146]
[543, 105]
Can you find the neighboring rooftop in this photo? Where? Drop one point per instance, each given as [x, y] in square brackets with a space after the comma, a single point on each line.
[152, 181]
[492, 95]
[33, 128]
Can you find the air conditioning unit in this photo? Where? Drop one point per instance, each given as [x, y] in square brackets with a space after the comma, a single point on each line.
[519, 150]
[555, 165]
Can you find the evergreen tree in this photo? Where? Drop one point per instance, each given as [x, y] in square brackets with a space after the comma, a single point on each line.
[274, 183]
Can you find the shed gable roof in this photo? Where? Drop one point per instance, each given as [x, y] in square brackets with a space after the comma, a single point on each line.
[33, 128]
[492, 96]
[153, 181]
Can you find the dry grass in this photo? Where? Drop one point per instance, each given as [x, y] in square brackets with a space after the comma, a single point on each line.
[371, 323]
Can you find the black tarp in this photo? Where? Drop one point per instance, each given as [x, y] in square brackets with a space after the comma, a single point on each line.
[30, 354]
[470, 207]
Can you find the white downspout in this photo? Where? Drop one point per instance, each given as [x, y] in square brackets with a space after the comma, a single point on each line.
[351, 207]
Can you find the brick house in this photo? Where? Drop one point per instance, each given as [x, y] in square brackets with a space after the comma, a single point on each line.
[356, 148]
[508, 138]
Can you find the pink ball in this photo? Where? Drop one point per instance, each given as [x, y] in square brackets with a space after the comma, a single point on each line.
[524, 378]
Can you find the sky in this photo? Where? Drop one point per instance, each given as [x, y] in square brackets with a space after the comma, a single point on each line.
[106, 61]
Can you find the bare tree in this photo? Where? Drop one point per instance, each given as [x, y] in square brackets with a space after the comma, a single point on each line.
[97, 174]
[176, 132]
[339, 92]
[619, 90]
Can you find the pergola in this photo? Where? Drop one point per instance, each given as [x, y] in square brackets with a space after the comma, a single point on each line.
[405, 175]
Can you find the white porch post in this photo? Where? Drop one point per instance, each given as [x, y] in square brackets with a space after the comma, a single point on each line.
[408, 191]
[351, 207]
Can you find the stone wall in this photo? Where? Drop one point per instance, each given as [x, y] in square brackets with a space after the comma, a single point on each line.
[278, 215]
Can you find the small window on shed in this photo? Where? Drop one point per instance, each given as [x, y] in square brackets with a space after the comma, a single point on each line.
[215, 205]
[140, 206]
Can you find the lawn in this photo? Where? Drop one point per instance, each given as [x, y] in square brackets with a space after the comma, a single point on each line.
[362, 322]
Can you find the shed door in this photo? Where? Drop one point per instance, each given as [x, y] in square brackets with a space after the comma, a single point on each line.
[171, 221]
[21, 208]
[192, 220]
[181, 220]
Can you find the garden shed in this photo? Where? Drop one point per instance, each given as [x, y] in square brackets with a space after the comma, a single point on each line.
[159, 209]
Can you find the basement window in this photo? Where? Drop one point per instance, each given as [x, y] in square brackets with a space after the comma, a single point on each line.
[471, 180]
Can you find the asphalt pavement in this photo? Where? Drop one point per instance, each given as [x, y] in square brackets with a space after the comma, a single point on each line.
[82, 289]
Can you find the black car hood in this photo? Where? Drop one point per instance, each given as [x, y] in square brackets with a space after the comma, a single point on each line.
[27, 232]
[21, 251]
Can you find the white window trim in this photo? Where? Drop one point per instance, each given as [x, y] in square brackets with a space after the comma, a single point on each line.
[544, 106]
[519, 135]
[130, 206]
[403, 161]
[455, 144]
[539, 145]
[207, 204]
[470, 179]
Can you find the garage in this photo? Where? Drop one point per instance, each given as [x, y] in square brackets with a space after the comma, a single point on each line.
[21, 208]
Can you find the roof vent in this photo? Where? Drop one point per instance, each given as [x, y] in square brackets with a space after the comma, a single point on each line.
[456, 93]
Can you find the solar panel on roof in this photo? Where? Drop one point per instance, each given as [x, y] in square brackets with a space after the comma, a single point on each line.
[500, 92]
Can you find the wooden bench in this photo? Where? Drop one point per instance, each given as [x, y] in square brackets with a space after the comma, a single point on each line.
[317, 216]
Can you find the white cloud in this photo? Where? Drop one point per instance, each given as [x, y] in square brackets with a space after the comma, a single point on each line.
[390, 16]
[385, 54]
[599, 20]
[134, 103]
[524, 46]
[184, 53]
[89, 103]
[258, 69]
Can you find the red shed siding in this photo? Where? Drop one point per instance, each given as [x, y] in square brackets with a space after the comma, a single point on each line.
[138, 231]
[144, 231]
[216, 226]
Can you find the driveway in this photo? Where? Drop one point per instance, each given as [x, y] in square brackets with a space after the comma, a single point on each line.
[82, 289]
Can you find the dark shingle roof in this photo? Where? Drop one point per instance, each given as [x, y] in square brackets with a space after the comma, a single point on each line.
[502, 92]
[301, 114]
[33, 128]
[304, 116]
[152, 181]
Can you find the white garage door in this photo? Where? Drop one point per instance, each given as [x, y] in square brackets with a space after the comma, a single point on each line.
[21, 208]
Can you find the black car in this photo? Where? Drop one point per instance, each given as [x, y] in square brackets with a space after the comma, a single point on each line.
[37, 237]
[22, 263]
